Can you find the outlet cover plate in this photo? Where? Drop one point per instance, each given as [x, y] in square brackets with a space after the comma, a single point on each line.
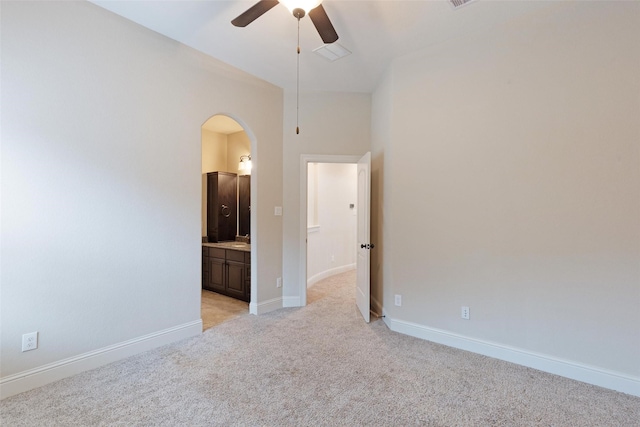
[30, 341]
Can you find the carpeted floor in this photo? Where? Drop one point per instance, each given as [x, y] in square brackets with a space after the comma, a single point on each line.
[320, 365]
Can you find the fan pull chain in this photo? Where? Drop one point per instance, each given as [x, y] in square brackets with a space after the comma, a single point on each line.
[298, 82]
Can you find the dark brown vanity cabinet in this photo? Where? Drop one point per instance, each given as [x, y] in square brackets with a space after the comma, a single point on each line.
[227, 272]
[222, 213]
[213, 269]
[244, 205]
[235, 274]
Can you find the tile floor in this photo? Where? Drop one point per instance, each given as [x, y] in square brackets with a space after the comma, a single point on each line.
[218, 308]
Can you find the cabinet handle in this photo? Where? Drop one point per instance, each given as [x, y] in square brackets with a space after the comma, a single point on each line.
[225, 211]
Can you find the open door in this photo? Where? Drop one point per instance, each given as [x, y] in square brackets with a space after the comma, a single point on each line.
[363, 285]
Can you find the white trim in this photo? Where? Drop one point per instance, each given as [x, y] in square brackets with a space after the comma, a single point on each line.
[37, 377]
[386, 319]
[291, 302]
[313, 229]
[265, 306]
[305, 159]
[565, 368]
[328, 273]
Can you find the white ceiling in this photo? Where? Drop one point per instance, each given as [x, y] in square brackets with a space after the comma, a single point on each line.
[375, 31]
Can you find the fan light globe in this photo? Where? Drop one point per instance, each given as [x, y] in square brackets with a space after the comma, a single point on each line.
[305, 5]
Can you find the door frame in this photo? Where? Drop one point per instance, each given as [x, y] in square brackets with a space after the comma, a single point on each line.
[305, 159]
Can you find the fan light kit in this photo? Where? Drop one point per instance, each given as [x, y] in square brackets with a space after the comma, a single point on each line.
[305, 5]
[299, 9]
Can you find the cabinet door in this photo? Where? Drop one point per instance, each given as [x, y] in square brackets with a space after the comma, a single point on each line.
[244, 205]
[235, 279]
[227, 206]
[247, 283]
[222, 209]
[212, 203]
[216, 275]
[205, 268]
[247, 276]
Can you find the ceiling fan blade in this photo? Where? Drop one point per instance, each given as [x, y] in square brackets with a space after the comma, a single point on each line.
[254, 12]
[323, 24]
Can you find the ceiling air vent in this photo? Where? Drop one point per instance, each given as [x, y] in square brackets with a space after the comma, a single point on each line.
[459, 3]
[332, 51]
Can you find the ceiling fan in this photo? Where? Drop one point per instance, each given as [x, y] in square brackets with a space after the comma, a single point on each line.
[299, 8]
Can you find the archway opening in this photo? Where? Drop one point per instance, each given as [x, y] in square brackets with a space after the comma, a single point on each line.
[226, 220]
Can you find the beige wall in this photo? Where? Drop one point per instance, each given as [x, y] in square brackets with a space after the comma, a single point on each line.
[511, 185]
[214, 151]
[238, 144]
[101, 185]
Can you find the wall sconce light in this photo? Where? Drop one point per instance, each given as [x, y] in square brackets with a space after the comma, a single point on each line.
[244, 167]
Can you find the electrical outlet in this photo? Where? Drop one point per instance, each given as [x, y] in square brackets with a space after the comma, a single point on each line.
[277, 211]
[30, 341]
[398, 300]
[333, 258]
[465, 313]
[279, 282]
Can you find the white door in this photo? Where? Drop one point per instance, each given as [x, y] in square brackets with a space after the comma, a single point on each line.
[363, 289]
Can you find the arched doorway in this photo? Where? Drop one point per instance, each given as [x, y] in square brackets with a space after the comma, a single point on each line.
[226, 224]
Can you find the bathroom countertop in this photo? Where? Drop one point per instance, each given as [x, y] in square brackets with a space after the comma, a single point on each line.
[238, 246]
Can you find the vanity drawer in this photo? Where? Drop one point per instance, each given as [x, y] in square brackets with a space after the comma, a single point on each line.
[216, 253]
[235, 255]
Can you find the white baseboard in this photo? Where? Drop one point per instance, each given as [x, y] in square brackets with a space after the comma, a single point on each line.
[37, 377]
[291, 301]
[328, 273]
[265, 306]
[565, 368]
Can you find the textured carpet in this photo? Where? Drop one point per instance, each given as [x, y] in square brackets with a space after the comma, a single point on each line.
[315, 366]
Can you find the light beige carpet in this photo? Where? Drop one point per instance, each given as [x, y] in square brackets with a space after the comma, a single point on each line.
[320, 365]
